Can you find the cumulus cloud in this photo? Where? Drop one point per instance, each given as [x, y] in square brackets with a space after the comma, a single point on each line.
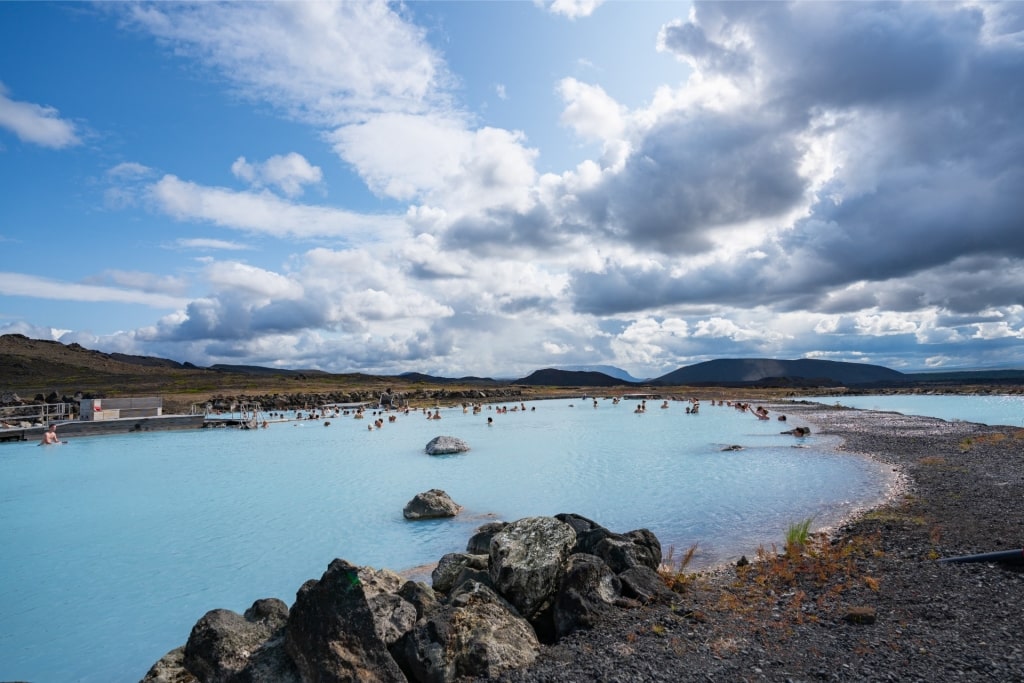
[438, 160]
[836, 166]
[572, 9]
[36, 124]
[289, 173]
[831, 179]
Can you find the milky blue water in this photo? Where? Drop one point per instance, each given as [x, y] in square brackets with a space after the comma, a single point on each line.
[114, 546]
[984, 409]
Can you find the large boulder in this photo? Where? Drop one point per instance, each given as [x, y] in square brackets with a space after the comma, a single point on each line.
[475, 633]
[621, 551]
[639, 548]
[445, 445]
[526, 561]
[170, 669]
[393, 616]
[421, 596]
[452, 566]
[480, 542]
[332, 634]
[431, 504]
[587, 591]
[644, 584]
[224, 643]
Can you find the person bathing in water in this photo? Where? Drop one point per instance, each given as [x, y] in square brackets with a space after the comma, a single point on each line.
[50, 437]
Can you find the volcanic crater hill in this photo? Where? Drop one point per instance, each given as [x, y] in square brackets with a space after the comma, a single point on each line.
[752, 370]
[552, 377]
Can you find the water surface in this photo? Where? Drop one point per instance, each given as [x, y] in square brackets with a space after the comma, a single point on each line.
[984, 409]
[116, 545]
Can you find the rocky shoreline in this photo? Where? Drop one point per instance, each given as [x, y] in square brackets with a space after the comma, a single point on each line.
[877, 607]
[867, 602]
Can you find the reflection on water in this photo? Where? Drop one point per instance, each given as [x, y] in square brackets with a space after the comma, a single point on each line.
[123, 542]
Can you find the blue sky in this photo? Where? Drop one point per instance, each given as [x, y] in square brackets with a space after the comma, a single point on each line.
[488, 188]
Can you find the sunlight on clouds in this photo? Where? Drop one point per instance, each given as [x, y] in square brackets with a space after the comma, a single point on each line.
[590, 111]
[357, 285]
[242, 278]
[996, 330]
[438, 160]
[326, 62]
[36, 124]
[722, 327]
[885, 324]
[647, 341]
[555, 349]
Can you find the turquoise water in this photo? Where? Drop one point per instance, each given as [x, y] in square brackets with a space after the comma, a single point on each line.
[114, 546]
[985, 409]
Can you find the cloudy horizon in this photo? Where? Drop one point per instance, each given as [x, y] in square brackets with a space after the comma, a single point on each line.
[487, 189]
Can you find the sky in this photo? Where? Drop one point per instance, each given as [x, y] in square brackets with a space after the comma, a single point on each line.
[489, 188]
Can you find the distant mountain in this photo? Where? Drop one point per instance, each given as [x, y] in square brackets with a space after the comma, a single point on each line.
[609, 370]
[766, 370]
[552, 377]
[967, 377]
[260, 370]
[431, 379]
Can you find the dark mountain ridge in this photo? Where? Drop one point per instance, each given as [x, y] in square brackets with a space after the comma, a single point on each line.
[551, 377]
[26, 362]
[745, 371]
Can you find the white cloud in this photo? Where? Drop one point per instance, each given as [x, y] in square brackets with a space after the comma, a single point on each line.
[330, 63]
[129, 170]
[19, 284]
[721, 327]
[997, 330]
[208, 243]
[289, 173]
[251, 281]
[263, 212]
[438, 160]
[145, 282]
[591, 112]
[573, 9]
[37, 124]
[885, 324]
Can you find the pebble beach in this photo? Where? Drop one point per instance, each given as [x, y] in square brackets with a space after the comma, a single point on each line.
[869, 600]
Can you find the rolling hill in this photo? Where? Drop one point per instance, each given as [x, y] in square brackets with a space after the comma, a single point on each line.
[35, 365]
[739, 371]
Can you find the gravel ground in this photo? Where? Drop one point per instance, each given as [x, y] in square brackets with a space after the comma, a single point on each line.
[869, 602]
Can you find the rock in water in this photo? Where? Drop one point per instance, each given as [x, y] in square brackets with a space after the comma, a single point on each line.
[446, 445]
[431, 504]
